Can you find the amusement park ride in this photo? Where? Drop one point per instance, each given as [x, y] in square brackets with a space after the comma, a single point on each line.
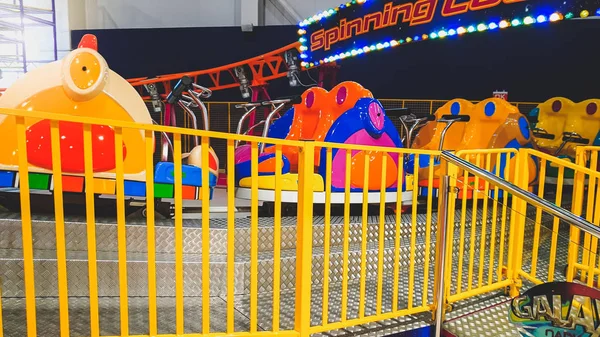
[265, 273]
[348, 114]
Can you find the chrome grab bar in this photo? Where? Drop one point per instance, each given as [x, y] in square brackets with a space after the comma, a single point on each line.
[188, 94]
[166, 146]
[254, 127]
[196, 99]
[252, 107]
[531, 198]
[277, 106]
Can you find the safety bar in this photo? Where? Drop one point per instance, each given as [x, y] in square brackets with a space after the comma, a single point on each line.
[455, 118]
[543, 134]
[284, 100]
[450, 119]
[277, 106]
[248, 105]
[531, 198]
[252, 107]
[398, 112]
[166, 145]
[418, 120]
[425, 116]
[186, 93]
[572, 137]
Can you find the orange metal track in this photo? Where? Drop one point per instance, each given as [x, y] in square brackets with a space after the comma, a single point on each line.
[264, 68]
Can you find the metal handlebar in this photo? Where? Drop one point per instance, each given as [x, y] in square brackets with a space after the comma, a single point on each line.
[188, 94]
[166, 146]
[292, 100]
[251, 107]
[450, 119]
[276, 109]
[195, 97]
[248, 105]
[417, 121]
[454, 118]
[204, 92]
[571, 137]
[243, 119]
[543, 134]
[398, 112]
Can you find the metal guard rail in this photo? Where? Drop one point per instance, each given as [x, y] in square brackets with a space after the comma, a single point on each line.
[531, 198]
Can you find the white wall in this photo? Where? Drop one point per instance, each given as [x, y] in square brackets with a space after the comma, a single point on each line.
[305, 8]
[107, 14]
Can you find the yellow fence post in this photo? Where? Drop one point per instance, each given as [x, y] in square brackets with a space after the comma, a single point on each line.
[306, 166]
[576, 208]
[518, 221]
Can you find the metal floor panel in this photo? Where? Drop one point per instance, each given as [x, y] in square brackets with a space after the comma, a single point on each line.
[13, 303]
[489, 317]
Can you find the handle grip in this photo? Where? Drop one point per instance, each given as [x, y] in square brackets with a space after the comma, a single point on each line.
[398, 112]
[543, 135]
[184, 84]
[455, 118]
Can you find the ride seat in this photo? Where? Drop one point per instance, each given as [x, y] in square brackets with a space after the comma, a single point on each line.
[584, 120]
[552, 117]
[486, 118]
[316, 114]
[430, 136]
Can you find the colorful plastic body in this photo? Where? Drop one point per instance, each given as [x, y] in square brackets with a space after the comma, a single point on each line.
[492, 124]
[81, 84]
[563, 125]
[348, 114]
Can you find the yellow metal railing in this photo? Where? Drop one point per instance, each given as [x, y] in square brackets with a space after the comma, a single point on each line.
[589, 187]
[473, 277]
[498, 264]
[521, 258]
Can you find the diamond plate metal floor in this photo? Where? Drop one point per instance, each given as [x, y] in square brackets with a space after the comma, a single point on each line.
[11, 273]
[489, 317]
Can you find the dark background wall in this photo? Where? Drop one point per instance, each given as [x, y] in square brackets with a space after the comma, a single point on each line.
[532, 63]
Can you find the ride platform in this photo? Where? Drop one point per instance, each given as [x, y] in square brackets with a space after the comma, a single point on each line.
[466, 319]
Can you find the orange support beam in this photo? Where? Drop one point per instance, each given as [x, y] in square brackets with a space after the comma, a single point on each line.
[263, 68]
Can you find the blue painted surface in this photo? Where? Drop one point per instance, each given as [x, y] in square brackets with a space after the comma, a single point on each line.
[135, 188]
[490, 109]
[455, 108]
[7, 179]
[351, 122]
[427, 331]
[524, 128]
[424, 161]
[281, 127]
[596, 140]
[535, 112]
[164, 173]
[514, 144]
[244, 169]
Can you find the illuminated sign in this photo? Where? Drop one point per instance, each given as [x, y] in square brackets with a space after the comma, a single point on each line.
[501, 95]
[362, 26]
[557, 309]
